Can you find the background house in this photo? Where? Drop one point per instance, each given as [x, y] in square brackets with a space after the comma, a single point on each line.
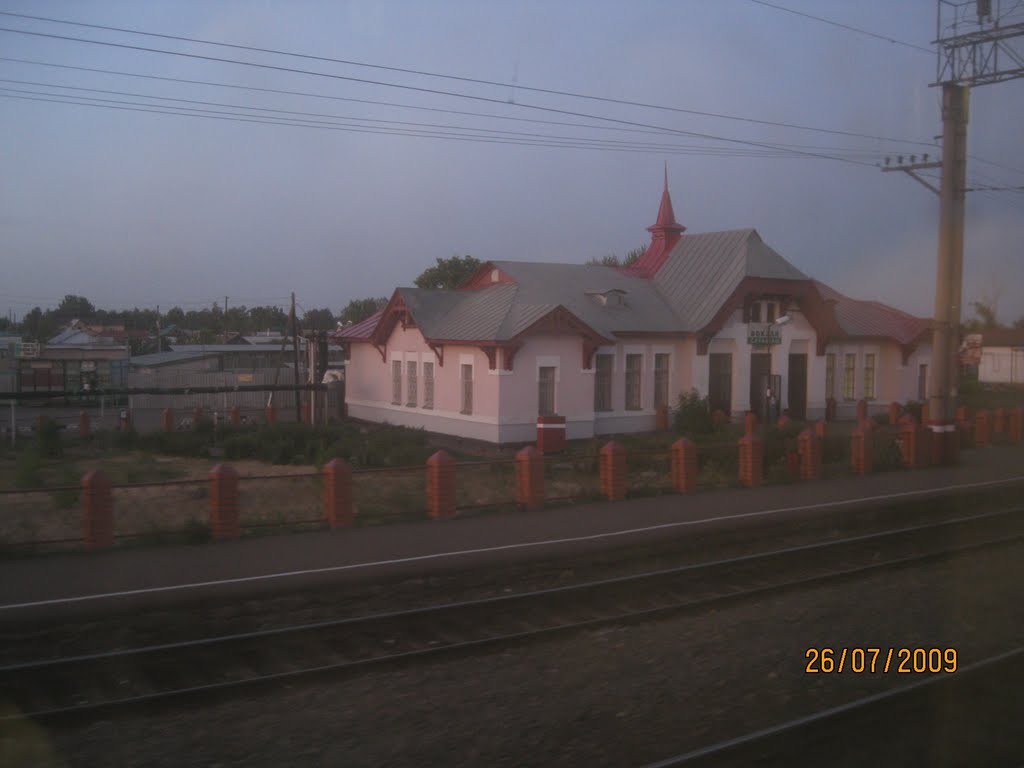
[1002, 356]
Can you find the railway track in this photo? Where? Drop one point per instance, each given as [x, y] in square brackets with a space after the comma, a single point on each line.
[893, 727]
[82, 686]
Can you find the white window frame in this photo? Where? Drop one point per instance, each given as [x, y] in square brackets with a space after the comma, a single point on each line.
[428, 384]
[466, 385]
[639, 372]
[870, 385]
[396, 380]
[553, 393]
[656, 353]
[411, 389]
[610, 380]
[849, 376]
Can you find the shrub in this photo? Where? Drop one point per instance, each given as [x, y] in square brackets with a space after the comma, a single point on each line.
[693, 414]
[27, 469]
[914, 409]
[835, 449]
[47, 439]
[972, 394]
[886, 455]
[779, 441]
[126, 440]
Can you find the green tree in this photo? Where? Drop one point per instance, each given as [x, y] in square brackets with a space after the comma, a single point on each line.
[985, 318]
[175, 316]
[612, 260]
[448, 273]
[268, 318]
[39, 325]
[72, 306]
[360, 309]
[237, 319]
[318, 320]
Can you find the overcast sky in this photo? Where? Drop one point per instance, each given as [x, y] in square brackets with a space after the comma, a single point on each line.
[132, 208]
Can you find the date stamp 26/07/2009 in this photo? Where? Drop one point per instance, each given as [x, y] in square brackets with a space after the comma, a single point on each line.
[880, 660]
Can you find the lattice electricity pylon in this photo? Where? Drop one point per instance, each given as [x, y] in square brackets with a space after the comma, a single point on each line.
[979, 42]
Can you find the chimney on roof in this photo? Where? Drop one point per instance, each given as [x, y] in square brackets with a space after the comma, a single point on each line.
[665, 233]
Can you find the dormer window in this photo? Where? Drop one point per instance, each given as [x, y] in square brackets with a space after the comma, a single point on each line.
[495, 275]
[614, 297]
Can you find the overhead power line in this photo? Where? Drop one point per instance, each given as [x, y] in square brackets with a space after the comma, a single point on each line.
[459, 78]
[133, 106]
[435, 91]
[446, 126]
[847, 27]
[399, 105]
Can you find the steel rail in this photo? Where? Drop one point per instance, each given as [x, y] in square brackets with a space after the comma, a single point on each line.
[830, 713]
[510, 637]
[44, 666]
[498, 599]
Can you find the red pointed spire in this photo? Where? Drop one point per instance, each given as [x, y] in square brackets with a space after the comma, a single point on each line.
[665, 233]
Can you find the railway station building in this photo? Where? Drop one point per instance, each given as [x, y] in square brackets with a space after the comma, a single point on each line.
[606, 348]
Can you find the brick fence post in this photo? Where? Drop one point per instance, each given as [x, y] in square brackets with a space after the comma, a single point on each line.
[964, 427]
[307, 412]
[926, 415]
[168, 417]
[223, 481]
[861, 453]
[894, 412]
[1015, 425]
[530, 478]
[97, 510]
[197, 416]
[83, 424]
[684, 465]
[338, 493]
[810, 455]
[271, 414]
[750, 423]
[613, 471]
[440, 485]
[751, 461]
[821, 429]
[998, 423]
[908, 442]
[862, 411]
[236, 415]
[661, 418]
[981, 429]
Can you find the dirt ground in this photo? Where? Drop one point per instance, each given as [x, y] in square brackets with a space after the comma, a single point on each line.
[614, 696]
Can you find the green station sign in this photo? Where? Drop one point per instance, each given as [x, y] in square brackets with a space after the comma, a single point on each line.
[763, 335]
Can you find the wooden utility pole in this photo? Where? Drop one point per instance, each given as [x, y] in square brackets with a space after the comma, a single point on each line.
[295, 360]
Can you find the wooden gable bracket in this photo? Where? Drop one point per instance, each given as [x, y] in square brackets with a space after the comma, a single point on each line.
[438, 350]
[383, 349]
[703, 342]
[589, 350]
[509, 356]
[492, 357]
